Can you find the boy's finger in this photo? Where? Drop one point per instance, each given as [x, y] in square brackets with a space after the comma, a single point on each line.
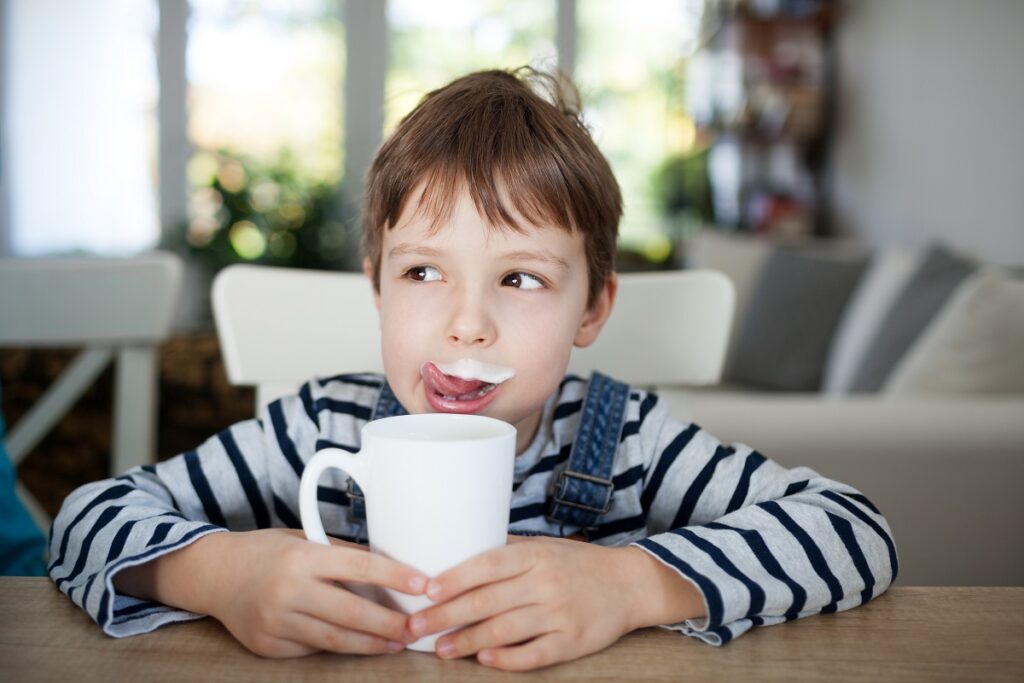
[332, 638]
[494, 565]
[346, 564]
[344, 609]
[471, 607]
[506, 629]
[543, 651]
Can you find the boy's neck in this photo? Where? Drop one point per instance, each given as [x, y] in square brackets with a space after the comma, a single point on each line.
[526, 431]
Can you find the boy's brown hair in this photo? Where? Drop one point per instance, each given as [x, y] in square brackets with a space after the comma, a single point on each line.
[495, 133]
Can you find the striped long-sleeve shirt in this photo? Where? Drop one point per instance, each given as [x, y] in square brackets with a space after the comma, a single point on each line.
[763, 544]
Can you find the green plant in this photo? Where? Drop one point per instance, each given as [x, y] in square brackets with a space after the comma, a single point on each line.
[243, 211]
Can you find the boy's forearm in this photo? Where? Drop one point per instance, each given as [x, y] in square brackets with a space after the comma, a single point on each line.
[660, 595]
[184, 578]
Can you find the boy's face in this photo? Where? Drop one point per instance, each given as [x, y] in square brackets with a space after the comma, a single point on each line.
[498, 296]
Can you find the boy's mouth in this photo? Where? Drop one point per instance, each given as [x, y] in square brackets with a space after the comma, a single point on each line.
[450, 394]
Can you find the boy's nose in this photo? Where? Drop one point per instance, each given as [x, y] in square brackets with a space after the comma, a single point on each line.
[471, 323]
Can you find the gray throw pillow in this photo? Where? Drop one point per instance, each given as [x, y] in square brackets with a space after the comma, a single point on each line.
[940, 272]
[784, 337]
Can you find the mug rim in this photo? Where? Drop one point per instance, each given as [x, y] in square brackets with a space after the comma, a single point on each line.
[376, 428]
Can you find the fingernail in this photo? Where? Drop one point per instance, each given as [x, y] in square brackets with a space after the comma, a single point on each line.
[416, 583]
[418, 625]
[485, 657]
[394, 646]
[445, 648]
[433, 590]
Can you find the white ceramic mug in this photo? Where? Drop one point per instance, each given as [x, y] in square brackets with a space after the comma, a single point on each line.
[438, 488]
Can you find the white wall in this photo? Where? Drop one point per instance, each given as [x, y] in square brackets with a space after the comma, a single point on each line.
[930, 136]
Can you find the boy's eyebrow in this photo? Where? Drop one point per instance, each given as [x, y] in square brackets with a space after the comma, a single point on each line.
[407, 248]
[542, 256]
[522, 255]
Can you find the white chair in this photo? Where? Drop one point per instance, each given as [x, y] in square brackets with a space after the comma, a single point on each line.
[280, 327]
[118, 310]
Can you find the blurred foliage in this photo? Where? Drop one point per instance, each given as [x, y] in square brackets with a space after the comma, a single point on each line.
[682, 187]
[244, 211]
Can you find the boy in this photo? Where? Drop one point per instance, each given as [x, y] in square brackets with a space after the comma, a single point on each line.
[490, 220]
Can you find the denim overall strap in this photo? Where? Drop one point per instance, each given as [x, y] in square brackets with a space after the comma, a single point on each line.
[387, 406]
[583, 490]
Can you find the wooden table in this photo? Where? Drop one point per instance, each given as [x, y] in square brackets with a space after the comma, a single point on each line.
[909, 634]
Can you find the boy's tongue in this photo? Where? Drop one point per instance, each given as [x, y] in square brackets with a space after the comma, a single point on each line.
[449, 385]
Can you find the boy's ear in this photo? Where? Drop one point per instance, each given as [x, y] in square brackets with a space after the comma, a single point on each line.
[368, 271]
[596, 315]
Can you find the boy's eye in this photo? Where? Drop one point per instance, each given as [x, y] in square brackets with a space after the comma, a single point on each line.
[522, 281]
[423, 274]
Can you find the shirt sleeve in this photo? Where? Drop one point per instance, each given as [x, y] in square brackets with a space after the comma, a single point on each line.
[227, 483]
[762, 543]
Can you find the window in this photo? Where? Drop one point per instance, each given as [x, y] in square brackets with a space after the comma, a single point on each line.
[630, 71]
[435, 42]
[80, 126]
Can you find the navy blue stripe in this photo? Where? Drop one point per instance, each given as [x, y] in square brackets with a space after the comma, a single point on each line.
[628, 478]
[344, 407]
[567, 379]
[284, 442]
[202, 489]
[617, 527]
[88, 587]
[668, 456]
[859, 514]
[771, 565]
[713, 598]
[285, 514]
[693, 494]
[753, 461]
[105, 518]
[325, 494]
[845, 532]
[101, 617]
[160, 533]
[352, 379]
[795, 487]
[812, 550]
[546, 464]
[119, 621]
[104, 496]
[526, 512]
[863, 500]
[648, 403]
[757, 596]
[324, 443]
[629, 429]
[117, 545]
[246, 478]
[149, 468]
[724, 633]
[122, 534]
[566, 409]
[136, 608]
[306, 396]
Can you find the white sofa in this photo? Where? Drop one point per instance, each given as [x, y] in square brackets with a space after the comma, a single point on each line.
[947, 470]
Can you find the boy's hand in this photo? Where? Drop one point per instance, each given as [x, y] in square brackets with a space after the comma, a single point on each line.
[278, 594]
[539, 601]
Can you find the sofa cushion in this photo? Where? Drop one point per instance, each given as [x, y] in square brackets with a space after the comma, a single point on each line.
[974, 343]
[886, 276]
[939, 273]
[741, 259]
[784, 338]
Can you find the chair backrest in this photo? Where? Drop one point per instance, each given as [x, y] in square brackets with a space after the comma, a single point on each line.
[119, 310]
[279, 327]
[88, 301]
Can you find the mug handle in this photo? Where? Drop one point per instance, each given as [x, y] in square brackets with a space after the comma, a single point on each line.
[356, 467]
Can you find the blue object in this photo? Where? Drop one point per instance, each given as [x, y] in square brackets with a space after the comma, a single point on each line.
[22, 544]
